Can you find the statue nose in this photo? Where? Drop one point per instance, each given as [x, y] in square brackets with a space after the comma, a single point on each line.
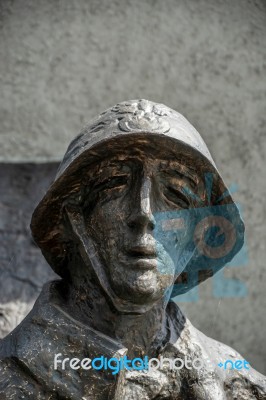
[142, 216]
[141, 221]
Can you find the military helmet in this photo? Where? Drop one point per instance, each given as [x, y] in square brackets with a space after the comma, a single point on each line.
[156, 129]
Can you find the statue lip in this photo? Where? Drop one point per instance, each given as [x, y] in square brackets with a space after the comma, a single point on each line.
[143, 251]
[143, 257]
[144, 263]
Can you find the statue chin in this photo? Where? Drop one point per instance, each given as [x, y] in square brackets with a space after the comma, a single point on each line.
[134, 299]
[137, 298]
[141, 295]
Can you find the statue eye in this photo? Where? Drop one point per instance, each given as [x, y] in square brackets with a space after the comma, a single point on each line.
[176, 196]
[112, 182]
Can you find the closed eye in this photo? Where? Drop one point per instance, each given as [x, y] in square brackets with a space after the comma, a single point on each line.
[113, 182]
[177, 197]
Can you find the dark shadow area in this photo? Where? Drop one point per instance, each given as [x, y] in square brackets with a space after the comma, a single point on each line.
[23, 269]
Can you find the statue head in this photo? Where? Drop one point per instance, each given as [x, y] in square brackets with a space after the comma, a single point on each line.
[139, 207]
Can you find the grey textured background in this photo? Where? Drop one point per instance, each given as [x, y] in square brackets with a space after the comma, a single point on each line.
[63, 62]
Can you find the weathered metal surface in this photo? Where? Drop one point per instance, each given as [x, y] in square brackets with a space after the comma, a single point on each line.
[137, 167]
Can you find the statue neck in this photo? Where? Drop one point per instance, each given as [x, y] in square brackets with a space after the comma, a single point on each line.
[142, 334]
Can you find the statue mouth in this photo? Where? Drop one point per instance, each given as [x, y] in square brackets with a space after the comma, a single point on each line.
[144, 263]
[143, 257]
[143, 251]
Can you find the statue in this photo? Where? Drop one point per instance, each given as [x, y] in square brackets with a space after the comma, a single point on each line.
[137, 215]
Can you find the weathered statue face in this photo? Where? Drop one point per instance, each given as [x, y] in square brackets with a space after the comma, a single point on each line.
[157, 166]
[127, 198]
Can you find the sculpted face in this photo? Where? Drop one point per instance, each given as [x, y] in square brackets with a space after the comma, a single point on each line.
[108, 221]
[121, 214]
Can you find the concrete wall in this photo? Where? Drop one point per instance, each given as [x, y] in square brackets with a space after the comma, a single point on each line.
[63, 62]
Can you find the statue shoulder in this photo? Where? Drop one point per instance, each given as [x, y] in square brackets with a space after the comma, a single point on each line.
[229, 367]
[17, 380]
[234, 370]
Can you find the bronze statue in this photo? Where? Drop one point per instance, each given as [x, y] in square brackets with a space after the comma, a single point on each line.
[129, 223]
